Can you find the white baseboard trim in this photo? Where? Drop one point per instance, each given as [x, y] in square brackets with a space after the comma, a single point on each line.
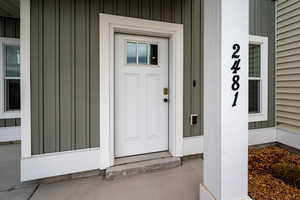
[62, 163]
[55, 164]
[288, 138]
[9, 134]
[262, 136]
[192, 145]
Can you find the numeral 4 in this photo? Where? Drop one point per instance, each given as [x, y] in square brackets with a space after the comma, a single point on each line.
[236, 66]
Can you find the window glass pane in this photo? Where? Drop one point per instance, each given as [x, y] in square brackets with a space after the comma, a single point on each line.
[153, 54]
[143, 53]
[12, 61]
[254, 96]
[131, 53]
[254, 60]
[12, 94]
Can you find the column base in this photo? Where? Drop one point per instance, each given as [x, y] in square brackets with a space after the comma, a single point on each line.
[205, 194]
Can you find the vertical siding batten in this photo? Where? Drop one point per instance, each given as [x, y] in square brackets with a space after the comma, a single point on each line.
[94, 74]
[57, 77]
[49, 76]
[196, 64]
[187, 101]
[40, 78]
[65, 71]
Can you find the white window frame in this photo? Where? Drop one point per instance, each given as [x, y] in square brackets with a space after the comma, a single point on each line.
[6, 114]
[264, 54]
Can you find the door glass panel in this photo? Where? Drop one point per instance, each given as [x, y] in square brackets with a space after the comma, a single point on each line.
[143, 53]
[131, 52]
[12, 61]
[254, 60]
[153, 54]
[254, 96]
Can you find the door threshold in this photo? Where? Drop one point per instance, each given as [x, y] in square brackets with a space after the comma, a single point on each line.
[140, 164]
[141, 158]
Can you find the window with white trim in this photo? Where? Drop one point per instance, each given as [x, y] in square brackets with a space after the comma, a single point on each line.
[258, 78]
[10, 97]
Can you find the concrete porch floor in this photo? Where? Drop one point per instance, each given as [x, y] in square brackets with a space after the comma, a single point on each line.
[10, 186]
[173, 184]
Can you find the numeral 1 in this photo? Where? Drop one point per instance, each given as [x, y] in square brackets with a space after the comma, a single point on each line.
[235, 99]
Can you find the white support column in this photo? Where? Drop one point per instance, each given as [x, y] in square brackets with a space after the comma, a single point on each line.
[226, 30]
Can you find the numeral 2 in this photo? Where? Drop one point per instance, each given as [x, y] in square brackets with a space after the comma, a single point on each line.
[236, 48]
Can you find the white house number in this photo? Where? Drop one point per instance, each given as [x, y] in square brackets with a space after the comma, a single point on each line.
[235, 69]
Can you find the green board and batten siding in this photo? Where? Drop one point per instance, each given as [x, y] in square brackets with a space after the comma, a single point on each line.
[9, 28]
[65, 65]
[262, 23]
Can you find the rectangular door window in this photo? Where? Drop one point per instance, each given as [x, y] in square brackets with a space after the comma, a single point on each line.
[141, 53]
[131, 52]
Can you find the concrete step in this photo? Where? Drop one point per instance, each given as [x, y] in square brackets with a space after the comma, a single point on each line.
[143, 157]
[142, 167]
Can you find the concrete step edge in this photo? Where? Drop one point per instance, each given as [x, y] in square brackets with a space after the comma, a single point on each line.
[142, 167]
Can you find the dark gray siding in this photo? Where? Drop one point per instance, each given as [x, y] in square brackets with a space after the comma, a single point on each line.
[65, 66]
[262, 23]
[10, 28]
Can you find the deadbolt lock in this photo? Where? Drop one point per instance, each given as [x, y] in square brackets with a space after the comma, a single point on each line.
[166, 91]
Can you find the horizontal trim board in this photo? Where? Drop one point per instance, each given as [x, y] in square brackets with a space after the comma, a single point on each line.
[62, 163]
[288, 138]
[56, 164]
[193, 145]
[9, 134]
[262, 136]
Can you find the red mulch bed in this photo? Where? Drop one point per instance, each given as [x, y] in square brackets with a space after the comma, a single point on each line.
[263, 185]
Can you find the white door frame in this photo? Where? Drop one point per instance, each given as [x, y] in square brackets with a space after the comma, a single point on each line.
[109, 25]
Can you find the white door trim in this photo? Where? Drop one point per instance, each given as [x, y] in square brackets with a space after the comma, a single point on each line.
[109, 24]
[25, 79]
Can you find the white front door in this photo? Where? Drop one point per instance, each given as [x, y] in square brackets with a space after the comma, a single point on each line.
[141, 94]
